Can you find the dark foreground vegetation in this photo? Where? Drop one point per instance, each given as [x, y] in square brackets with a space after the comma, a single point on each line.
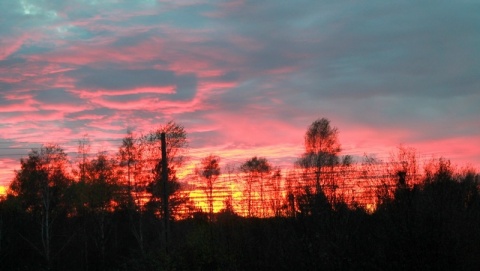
[112, 214]
[433, 226]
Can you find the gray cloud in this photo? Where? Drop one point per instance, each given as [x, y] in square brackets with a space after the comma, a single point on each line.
[56, 96]
[97, 112]
[125, 79]
[118, 79]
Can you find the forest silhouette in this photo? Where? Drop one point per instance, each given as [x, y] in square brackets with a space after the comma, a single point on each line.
[130, 211]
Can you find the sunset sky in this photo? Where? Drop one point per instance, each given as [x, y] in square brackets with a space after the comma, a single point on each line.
[243, 77]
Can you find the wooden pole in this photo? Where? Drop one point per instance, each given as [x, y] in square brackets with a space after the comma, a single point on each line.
[166, 215]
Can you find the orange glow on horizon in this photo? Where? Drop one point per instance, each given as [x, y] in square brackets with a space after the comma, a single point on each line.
[282, 155]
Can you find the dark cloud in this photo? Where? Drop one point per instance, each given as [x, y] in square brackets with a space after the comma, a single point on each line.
[125, 79]
[386, 49]
[118, 79]
[91, 113]
[56, 96]
[5, 87]
[186, 87]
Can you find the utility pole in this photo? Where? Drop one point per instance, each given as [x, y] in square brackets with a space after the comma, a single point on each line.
[166, 214]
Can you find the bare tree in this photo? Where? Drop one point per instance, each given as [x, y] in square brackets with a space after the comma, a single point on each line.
[276, 192]
[83, 155]
[132, 157]
[209, 171]
[404, 162]
[255, 169]
[291, 186]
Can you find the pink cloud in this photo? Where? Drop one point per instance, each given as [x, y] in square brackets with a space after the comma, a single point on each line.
[166, 107]
[460, 150]
[18, 96]
[95, 93]
[28, 76]
[33, 117]
[88, 117]
[64, 108]
[367, 139]
[22, 102]
[207, 90]
[9, 45]
[206, 86]
[14, 108]
[35, 131]
[382, 141]
[247, 128]
[102, 50]
[140, 104]
[203, 61]
[180, 51]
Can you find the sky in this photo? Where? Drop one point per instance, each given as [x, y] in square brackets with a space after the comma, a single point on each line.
[244, 78]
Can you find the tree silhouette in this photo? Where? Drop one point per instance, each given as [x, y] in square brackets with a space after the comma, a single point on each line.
[209, 171]
[320, 158]
[133, 160]
[41, 185]
[275, 185]
[128, 157]
[83, 153]
[176, 141]
[255, 169]
[321, 151]
[427, 220]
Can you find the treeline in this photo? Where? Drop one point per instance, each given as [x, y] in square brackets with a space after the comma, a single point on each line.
[109, 212]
